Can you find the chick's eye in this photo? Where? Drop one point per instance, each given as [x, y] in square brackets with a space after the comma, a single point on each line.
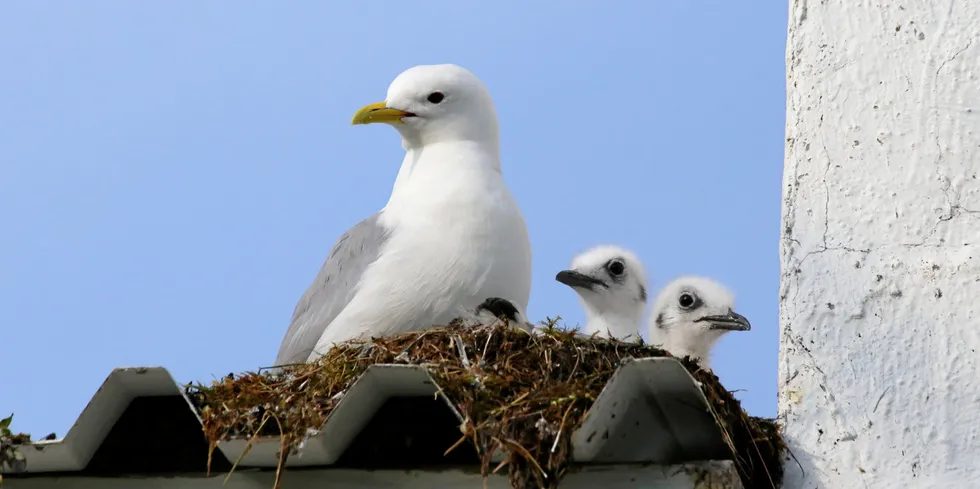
[616, 267]
[435, 97]
[686, 300]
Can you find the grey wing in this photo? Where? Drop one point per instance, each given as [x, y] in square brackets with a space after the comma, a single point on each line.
[332, 289]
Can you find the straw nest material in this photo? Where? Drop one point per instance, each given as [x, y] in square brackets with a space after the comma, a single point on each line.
[523, 394]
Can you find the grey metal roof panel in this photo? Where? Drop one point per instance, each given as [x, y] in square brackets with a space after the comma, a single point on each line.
[121, 387]
[699, 475]
[650, 411]
[358, 406]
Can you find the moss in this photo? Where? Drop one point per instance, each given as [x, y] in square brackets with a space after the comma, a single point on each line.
[756, 444]
[10, 455]
[502, 379]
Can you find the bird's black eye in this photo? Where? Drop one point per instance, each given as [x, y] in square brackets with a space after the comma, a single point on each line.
[686, 300]
[435, 97]
[615, 267]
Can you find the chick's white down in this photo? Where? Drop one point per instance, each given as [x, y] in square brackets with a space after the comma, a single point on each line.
[612, 288]
[690, 314]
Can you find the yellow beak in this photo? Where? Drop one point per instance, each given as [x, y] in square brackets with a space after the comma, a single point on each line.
[378, 112]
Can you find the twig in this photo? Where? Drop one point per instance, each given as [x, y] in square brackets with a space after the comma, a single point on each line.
[461, 347]
[523, 451]
[512, 404]
[458, 443]
[754, 445]
[283, 453]
[486, 346]
[248, 446]
[562, 426]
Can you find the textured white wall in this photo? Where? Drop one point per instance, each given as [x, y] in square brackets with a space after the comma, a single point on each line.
[879, 364]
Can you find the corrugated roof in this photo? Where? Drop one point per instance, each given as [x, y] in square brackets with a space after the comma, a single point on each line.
[140, 422]
[703, 475]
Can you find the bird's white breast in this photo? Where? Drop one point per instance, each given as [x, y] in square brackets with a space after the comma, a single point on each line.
[619, 326]
[458, 237]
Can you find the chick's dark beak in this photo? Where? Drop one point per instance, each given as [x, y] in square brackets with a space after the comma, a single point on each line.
[732, 321]
[575, 279]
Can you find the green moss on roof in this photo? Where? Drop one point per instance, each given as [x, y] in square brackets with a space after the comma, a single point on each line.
[10, 455]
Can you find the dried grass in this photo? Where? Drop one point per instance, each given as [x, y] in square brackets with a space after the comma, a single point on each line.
[504, 380]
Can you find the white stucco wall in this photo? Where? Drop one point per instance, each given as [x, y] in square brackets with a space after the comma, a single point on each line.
[879, 364]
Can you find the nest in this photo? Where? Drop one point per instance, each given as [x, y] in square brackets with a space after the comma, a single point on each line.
[10, 455]
[502, 379]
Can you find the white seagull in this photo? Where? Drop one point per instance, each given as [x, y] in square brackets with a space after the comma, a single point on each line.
[450, 236]
[612, 288]
[690, 314]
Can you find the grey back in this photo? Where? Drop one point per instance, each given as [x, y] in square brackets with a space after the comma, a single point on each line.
[332, 289]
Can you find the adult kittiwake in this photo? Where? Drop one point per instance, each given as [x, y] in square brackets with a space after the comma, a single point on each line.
[450, 236]
[612, 288]
[690, 314]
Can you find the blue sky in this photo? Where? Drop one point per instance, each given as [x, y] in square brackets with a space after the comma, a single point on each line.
[173, 174]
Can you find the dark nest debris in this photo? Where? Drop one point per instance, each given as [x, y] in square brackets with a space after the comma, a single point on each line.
[504, 383]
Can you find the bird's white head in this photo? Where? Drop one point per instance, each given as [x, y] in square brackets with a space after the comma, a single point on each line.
[690, 314]
[436, 103]
[612, 287]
